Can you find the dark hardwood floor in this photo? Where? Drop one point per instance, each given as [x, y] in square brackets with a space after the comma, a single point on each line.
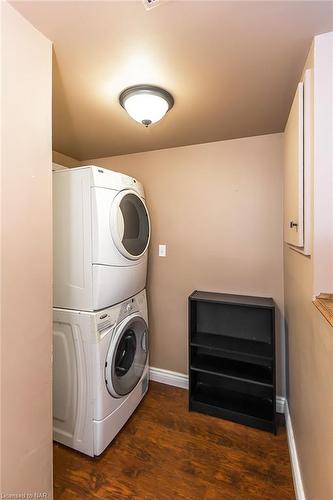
[164, 452]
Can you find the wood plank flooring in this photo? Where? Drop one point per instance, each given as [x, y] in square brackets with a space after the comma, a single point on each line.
[165, 452]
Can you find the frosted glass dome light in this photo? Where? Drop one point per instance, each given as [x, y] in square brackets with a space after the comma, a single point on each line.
[145, 103]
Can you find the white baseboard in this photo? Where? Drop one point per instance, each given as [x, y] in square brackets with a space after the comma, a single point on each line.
[181, 380]
[297, 478]
[167, 377]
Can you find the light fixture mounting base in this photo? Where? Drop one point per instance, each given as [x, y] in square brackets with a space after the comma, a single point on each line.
[146, 89]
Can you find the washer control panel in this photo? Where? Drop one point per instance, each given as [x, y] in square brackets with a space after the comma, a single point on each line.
[128, 307]
[105, 319]
[103, 325]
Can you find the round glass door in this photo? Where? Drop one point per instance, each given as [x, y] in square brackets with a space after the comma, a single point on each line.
[130, 224]
[127, 356]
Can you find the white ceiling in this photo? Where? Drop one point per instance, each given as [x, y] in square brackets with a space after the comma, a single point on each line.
[232, 68]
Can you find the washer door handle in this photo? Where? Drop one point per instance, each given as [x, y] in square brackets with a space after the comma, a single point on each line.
[144, 341]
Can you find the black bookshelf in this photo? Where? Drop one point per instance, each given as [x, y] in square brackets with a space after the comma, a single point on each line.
[232, 358]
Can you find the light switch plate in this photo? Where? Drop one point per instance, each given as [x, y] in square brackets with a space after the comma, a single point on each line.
[162, 250]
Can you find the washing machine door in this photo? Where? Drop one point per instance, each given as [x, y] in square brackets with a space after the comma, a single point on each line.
[130, 224]
[127, 356]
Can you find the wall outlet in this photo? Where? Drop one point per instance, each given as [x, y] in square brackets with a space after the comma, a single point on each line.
[162, 250]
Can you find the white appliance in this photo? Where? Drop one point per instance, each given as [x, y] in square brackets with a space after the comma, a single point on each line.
[100, 372]
[101, 235]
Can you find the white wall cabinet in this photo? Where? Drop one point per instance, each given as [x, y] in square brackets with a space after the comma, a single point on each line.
[294, 172]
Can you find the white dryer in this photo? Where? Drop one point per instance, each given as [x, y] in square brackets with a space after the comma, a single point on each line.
[100, 372]
[101, 232]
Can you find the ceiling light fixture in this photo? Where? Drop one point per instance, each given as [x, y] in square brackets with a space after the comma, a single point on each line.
[146, 103]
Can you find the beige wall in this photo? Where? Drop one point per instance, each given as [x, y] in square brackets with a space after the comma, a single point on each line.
[26, 293]
[66, 161]
[310, 336]
[310, 341]
[218, 207]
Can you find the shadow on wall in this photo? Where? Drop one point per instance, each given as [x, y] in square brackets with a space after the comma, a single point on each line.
[61, 115]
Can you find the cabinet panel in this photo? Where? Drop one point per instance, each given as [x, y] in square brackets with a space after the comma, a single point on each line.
[294, 172]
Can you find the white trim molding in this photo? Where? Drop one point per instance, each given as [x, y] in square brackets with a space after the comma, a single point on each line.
[297, 477]
[168, 377]
[181, 380]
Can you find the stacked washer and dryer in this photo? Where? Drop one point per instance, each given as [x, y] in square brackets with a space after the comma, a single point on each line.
[100, 323]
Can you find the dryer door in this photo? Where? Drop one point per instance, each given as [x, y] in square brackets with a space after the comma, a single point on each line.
[127, 356]
[130, 224]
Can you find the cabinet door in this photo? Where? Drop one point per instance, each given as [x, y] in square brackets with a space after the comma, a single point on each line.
[294, 172]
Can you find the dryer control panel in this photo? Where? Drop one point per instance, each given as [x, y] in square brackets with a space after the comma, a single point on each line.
[105, 178]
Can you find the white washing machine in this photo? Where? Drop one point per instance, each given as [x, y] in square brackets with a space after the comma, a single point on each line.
[101, 232]
[100, 372]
